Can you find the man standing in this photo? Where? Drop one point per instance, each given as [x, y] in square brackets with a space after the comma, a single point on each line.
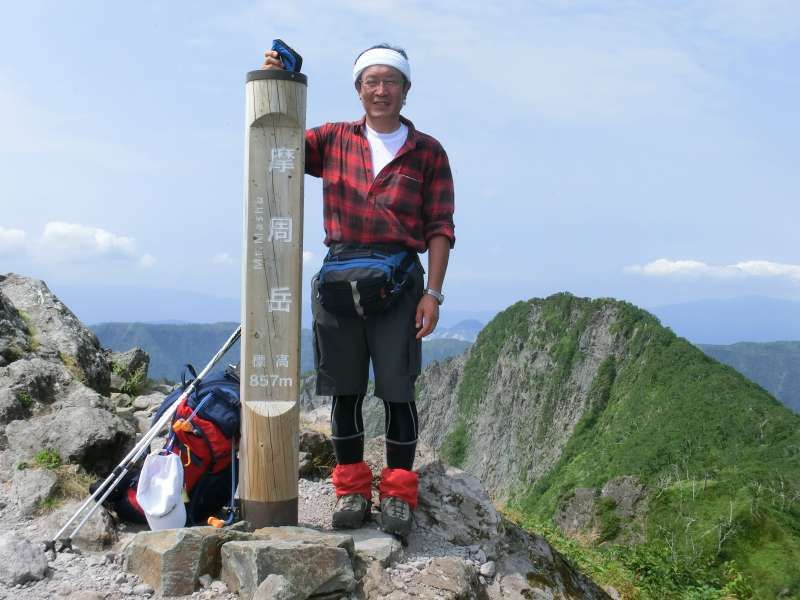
[386, 187]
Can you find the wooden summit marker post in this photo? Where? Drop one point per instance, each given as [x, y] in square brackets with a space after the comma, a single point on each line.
[271, 296]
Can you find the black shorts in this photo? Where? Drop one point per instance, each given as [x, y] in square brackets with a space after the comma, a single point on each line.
[343, 347]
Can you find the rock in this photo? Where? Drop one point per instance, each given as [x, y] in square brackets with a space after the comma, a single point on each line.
[626, 492]
[309, 568]
[142, 421]
[219, 587]
[306, 468]
[205, 580]
[375, 584]
[374, 545]
[449, 574]
[31, 487]
[275, 587]
[307, 535]
[143, 589]
[58, 331]
[116, 383]
[126, 412]
[126, 364]
[97, 533]
[29, 381]
[86, 595]
[577, 512]
[488, 569]
[318, 445]
[14, 340]
[20, 561]
[120, 399]
[173, 560]
[91, 437]
[454, 505]
[149, 402]
[528, 565]
[125, 589]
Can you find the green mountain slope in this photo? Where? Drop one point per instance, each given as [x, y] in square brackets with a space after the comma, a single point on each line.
[566, 394]
[775, 366]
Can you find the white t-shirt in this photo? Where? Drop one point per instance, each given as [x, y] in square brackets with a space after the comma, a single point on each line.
[384, 146]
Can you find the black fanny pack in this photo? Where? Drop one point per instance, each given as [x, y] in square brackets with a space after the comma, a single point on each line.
[364, 281]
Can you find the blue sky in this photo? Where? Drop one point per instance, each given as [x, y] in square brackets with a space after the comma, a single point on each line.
[643, 150]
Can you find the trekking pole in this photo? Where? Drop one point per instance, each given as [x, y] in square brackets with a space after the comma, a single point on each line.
[135, 454]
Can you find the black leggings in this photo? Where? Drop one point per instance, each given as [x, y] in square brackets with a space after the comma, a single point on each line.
[400, 427]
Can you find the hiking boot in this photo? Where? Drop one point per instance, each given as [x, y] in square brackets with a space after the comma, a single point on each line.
[351, 511]
[395, 516]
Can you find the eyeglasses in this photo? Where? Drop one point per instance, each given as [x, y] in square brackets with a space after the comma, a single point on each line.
[372, 84]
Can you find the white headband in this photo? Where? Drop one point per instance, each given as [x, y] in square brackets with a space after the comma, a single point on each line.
[382, 56]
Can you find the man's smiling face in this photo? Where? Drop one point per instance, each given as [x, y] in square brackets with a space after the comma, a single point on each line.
[382, 90]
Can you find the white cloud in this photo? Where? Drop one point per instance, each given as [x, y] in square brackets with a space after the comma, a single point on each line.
[223, 258]
[13, 242]
[147, 261]
[66, 243]
[307, 257]
[72, 241]
[664, 267]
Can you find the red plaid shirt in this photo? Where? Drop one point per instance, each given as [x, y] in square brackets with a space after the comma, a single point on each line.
[409, 202]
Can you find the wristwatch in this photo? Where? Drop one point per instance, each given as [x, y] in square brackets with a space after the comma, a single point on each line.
[438, 295]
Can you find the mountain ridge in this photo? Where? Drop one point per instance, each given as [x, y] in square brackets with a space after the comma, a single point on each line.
[564, 394]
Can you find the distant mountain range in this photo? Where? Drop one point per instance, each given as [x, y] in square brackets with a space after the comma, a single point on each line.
[466, 331]
[775, 366]
[170, 346]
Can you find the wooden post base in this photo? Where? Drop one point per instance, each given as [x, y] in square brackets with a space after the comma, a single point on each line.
[269, 514]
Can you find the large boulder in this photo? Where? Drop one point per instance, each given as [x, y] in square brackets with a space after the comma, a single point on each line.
[20, 561]
[455, 505]
[31, 487]
[14, 341]
[57, 332]
[91, 437]
[174, 560]
[126, 364]
[98, 533]
[308, 568]
[28, 382]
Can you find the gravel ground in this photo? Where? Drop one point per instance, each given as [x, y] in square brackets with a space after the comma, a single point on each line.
[99, 575]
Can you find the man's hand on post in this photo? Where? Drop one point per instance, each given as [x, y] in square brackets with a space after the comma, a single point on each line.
[427, 315]
[272, 60]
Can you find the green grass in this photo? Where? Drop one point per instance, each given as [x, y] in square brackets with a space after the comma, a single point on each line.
[134, 384]
[720, 457]
[31, 330]
[72, 366]
[47, 459]
[24, 399]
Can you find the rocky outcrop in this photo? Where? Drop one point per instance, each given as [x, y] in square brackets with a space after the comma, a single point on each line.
[174, 560]
[126, 364]
[91, 437]
[531, 391]
[476, 554]
[56, 331]
[614, 513]
[14, 339]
